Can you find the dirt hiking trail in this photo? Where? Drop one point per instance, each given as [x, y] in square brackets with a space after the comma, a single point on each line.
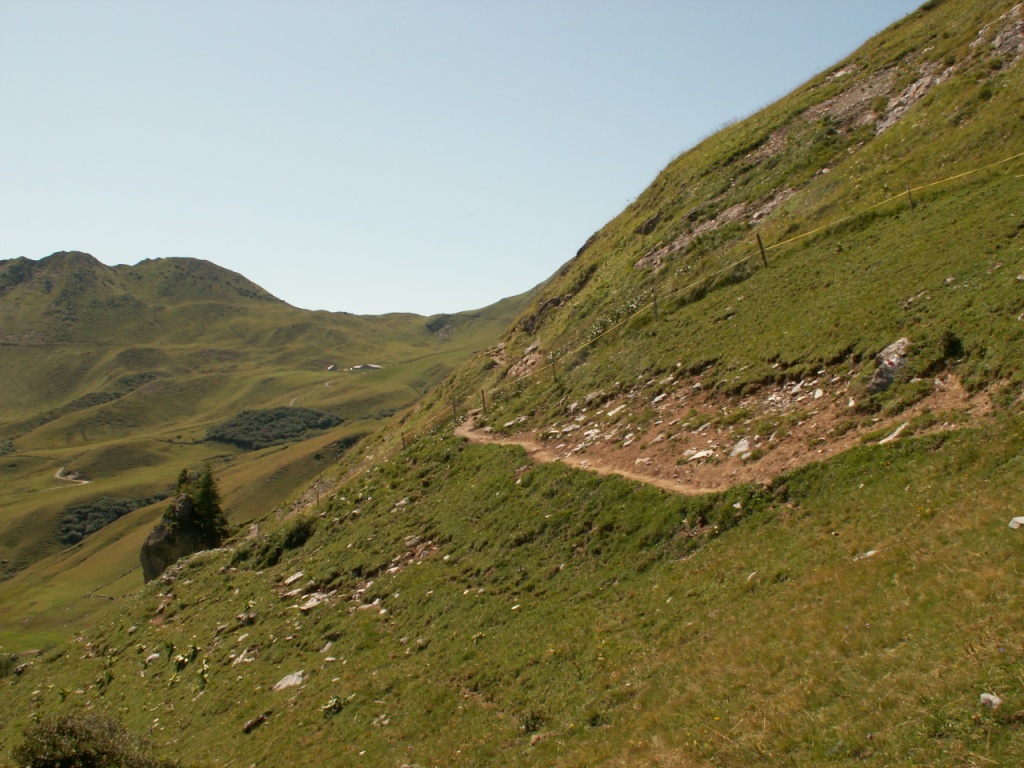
[673, 435]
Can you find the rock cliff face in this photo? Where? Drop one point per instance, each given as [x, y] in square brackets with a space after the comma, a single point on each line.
[178, 534]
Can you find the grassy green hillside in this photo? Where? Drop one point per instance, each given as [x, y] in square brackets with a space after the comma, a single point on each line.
[846, 597]
[114, 376]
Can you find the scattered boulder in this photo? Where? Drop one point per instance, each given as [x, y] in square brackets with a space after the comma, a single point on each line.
[990, 700]
[743, 446]
[1017, 522]
[890, 361]
[894, 435]
[289, 681]
[256, 722]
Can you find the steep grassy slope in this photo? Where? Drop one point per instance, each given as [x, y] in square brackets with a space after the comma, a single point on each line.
[454, 604]
[513, 616]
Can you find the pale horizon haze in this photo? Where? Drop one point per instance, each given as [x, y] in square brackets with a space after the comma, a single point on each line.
[372, 157]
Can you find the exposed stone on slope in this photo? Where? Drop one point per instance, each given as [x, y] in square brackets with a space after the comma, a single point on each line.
[890, 361]
[912, 94]
[289, 681]
[854, 107]
[1005, 37]
[177, 535]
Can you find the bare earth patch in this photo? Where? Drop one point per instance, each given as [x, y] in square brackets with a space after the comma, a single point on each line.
[686, 440]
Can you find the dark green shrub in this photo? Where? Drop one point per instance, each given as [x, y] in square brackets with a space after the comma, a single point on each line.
[267, 552]
[253, 430]
[84, 741]
[79, 520]
[298, 532]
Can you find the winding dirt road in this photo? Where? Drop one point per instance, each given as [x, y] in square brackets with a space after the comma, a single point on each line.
[59, 475]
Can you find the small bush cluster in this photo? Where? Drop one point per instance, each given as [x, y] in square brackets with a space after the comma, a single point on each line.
[267, 552]
[84, 741]
[7, 664]
[79, 520]
[253, 430]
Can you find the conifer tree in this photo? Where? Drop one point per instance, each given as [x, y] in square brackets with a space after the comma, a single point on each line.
[209, 514]
[202, 500]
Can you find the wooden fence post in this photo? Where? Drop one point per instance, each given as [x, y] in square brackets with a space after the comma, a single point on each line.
[764, 257]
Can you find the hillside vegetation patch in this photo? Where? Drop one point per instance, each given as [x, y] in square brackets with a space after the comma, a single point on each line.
[79, 520]
[256, 429]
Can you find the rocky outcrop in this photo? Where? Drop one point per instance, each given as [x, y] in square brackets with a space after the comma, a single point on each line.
[181, 532]
[890, 361]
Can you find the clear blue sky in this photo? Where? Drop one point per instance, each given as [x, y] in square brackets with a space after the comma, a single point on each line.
[376, 156]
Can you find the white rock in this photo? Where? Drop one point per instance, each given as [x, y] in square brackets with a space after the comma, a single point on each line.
[894, 435]
[313, 602]
[1017, 522]
[293, 578]
[818, 393]
[869, 553]
[245, 658]
[289, 681]
[741, 447]
[701, 455]
[990, 700]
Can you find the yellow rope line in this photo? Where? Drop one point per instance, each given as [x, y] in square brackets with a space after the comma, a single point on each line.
[895, 197]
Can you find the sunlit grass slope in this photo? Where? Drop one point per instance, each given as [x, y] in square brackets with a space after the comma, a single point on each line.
[477, 611]
[455, 604]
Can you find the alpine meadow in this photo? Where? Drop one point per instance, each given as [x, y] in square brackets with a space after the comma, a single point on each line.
[739, 485]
